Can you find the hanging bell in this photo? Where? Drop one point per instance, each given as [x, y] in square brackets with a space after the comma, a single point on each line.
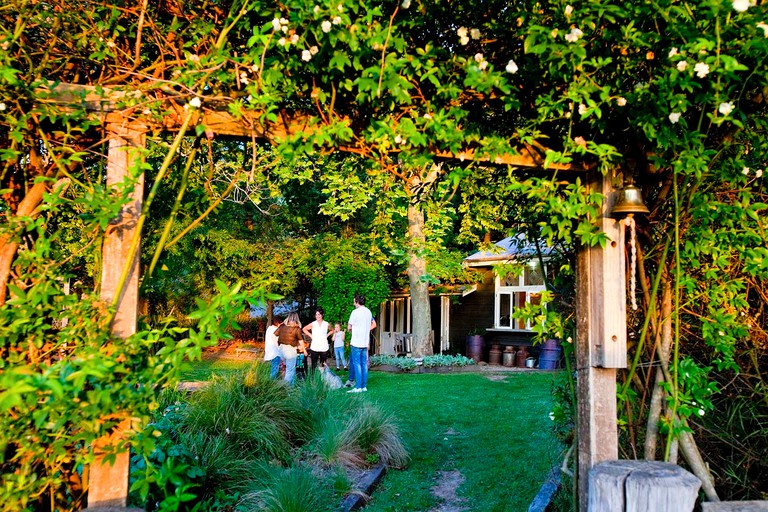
[629, 201]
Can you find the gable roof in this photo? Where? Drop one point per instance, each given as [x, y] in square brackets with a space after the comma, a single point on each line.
[507, 250]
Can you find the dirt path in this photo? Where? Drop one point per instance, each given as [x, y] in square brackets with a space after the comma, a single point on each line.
[445, 490]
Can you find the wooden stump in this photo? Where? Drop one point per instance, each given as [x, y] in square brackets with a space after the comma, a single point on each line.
[641, 486]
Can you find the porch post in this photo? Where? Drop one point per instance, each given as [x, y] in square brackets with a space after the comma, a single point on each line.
[601, 340]
[108, 483]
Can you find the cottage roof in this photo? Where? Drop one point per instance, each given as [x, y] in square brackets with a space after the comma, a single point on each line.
[509, 249]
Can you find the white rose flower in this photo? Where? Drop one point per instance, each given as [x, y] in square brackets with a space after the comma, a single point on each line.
[568, 10]
[682, 65]
[759, 173]
[475, 34]
[621, 101]
[573, 35]
[741, 5]
[725, 108]
[276, 24]
[313, 50]
[316, 9]
[282, 41]
[674, 117]
[340, 8]
[2, 106]
[326, 26]
[306, 56]
[337, 20]
[701, 69]
[464, 41]
[295, 38]
[673, 52]
[406, 4]
[582, 109]
[745, 171]
[462, 32]
[511, 67]
[479, 57]
[195, 102]
[483, 65]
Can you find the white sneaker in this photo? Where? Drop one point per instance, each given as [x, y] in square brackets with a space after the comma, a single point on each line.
[364, 389]
[355, 390]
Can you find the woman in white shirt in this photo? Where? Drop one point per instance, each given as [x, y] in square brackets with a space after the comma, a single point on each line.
[318, 331]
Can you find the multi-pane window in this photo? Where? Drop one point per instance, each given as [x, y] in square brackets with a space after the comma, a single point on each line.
[514, 291]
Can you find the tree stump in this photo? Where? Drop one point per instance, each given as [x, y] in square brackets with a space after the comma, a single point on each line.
[641, 486]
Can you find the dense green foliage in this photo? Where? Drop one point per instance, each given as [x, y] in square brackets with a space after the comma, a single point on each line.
[672, 95]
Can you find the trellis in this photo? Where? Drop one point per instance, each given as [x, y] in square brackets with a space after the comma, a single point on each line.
[600, 273]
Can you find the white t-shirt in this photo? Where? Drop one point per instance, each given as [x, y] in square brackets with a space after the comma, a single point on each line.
[271, 350]
[360, 320]
[319, 336]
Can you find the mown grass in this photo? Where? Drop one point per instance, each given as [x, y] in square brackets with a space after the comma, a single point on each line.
[496, 433]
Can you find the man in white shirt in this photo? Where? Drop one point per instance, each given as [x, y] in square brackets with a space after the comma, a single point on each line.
[271, 348]
[360, 324]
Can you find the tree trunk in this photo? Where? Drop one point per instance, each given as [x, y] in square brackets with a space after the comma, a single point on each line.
[421, 344]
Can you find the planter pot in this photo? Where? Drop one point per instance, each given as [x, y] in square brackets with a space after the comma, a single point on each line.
[475, 347]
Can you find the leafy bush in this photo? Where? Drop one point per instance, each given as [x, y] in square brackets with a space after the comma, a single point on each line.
[408, 363]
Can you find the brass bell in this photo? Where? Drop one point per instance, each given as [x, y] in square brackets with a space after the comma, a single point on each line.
[630, 201]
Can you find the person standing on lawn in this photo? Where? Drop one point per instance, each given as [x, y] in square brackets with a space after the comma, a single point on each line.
[361, 323]
[290, 340]
[272, 348]
[338, 346]
[318, 331]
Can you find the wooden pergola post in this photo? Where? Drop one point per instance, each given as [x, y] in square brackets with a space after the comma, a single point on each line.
[108, 483]
[601, 340]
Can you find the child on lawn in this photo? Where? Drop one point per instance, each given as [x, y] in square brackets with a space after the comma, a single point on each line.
[338, 346]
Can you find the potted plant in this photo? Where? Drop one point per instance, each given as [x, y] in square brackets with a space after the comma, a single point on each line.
[476, 343]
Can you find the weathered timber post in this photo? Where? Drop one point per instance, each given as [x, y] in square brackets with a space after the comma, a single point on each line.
[641, 486]
[601, 340]
[108, 483]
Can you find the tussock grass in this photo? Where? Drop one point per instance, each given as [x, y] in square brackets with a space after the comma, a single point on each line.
[293, 489]
[259, 444]
[255, 413]
[377, 432]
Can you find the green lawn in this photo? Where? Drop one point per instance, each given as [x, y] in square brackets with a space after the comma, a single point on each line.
[496, 433]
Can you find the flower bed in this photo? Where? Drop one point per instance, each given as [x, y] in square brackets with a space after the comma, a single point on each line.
[439, 361]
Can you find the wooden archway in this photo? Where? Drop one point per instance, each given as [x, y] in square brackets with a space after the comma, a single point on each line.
[600, 272]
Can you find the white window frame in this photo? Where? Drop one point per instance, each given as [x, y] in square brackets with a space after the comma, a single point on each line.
[510, 291]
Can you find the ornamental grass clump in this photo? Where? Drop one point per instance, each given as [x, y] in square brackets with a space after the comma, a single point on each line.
[246, 440]
[255, 413]
[293, 489]
[376, 432]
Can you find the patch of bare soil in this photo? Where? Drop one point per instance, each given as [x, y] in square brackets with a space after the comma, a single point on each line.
[445, 490]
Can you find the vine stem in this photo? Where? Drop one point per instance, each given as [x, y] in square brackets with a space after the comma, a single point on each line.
[676, 337]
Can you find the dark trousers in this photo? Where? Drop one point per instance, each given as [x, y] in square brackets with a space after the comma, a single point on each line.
[315, 358]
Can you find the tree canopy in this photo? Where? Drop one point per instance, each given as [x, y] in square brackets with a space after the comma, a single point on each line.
[673, 94]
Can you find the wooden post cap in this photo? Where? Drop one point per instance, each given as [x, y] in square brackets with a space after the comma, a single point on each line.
[641, 486]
